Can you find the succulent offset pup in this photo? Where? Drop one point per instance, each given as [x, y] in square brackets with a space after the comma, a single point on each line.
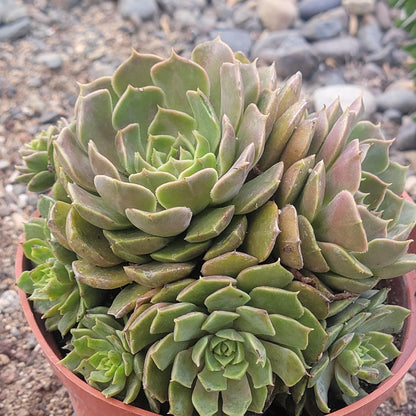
[221, 245]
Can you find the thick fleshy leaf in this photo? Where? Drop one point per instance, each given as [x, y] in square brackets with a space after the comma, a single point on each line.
[211, 55]
[267, 104]
[336, 139]
[311, 253]
[289, 332]
[227, 148]
[57, 223]
[170, 291]
[375, 188]
[298, 144]
[100, 277]
[192, 192]
[135, 241]
[281, 133]
[254, 321]
[377, 157]
[226, 299]
[184, 370]
[395, 175]
[321, 131]
[177, 75]
[344, 263]
[128, 143]
[340, 223]
[271, 274]
[166, 223]
[189, 326]
[391, 208]
[262, 231]
[172, 122]
[88, 241]
[334, 112]
[285, 363]
[401, 266]
[289, 93]
[268, 77]
[382, 252]
[126, 299]
[257, 191]
[345, 173]
[229, 185]
[311, 298]
[151, 179]
[180, 251]
[232, 95]
[205, 402]
[252, 130]
[163, 322]
[288, 241]
[94, 210]
[155, 381]
[230, 239]
[135, 71]
[206, 120]
[94, 123]
[338, 282]
[251, 82]
[219, 320]
[293, 181]
[74, 160]
[122, 195]
[180, 400]
[137, 105]
[236, 398]
[157, 274]
[276, 301]
[312, 194]
[209, 224]
[100, 164]
[374, 226]
[199, 290]
[228, 264]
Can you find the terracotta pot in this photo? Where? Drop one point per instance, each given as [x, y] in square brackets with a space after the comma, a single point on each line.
[90, 402]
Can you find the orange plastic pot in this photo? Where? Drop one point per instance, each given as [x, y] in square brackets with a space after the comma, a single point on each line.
[87, 401]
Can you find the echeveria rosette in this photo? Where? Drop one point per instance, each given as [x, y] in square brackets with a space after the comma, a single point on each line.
[360, 345]
[56, 294]
[38, 170]
[221, 343]
[167, 147]
[100, 354]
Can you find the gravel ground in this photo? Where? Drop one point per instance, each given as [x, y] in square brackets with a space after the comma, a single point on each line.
[65, 42]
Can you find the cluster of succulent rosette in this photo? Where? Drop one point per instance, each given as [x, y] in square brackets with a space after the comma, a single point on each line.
[209, 247]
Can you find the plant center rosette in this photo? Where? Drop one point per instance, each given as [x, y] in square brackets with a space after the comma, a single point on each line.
[226, 231]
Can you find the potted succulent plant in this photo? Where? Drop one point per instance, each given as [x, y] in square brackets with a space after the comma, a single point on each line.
[209, 247]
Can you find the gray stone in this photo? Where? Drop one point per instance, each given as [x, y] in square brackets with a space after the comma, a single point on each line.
[341, 48]
[309, 8]
[289, 51]
[393, 115]
[401, 99]
[186, 17]
[50, 59]
[15, 30]
[9, 301]
[370, 37]
[277, 15]
[10, 11]
[406, 137]
[237, 39]
[383, 15]
[381, 56]
[245, 17]
[325, 25]
[359, 7]
[347, 93]
[137, 10]
[171, 5]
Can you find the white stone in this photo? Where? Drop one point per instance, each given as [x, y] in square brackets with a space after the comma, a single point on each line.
[347, 93]
[359, 7]
[277, 14]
